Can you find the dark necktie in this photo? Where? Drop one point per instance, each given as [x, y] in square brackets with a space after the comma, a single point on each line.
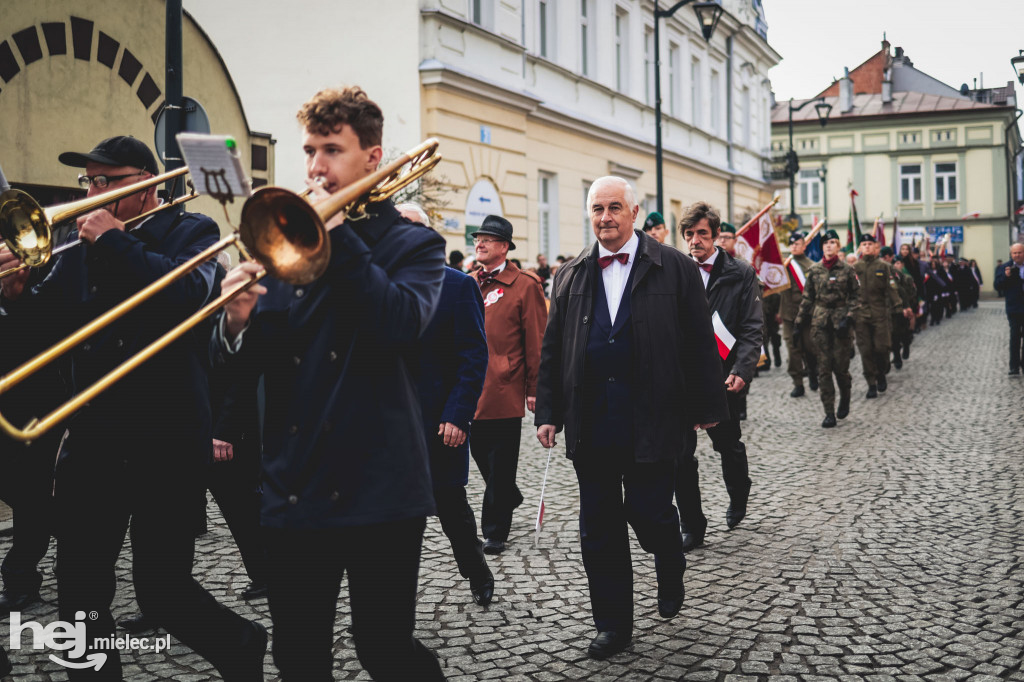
[486, 277]
[605, 261]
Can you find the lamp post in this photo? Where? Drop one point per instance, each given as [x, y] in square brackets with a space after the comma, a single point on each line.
[708, 14]
[1016, 62]
[823, 109]
[822, 172]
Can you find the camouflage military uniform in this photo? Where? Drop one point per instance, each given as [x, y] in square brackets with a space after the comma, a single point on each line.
[830, 297]
[802, 358]
[902, 335]
[879, 300]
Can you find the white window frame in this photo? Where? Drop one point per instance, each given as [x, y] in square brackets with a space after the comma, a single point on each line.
[945, 183]
[695, 100]
[649, 65]
[745, 116]
[588, 230]
[481, 13]
[621, 49]
[715, 84]
[809, 189]
[910, 183]
[675, 103]
[546, 29]
[547, 214]
[588, 17]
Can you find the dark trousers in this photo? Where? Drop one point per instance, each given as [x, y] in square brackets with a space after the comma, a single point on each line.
[494, 445]
[725, 439]
[1016, 340]
[382, 561]
[235, 486]
[604, 513]
[26, 485]
[99, 497]
[935, 310]
[459, 524]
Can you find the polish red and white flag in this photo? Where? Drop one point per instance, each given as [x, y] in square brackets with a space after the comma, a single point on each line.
[798, 274]
[725, 340]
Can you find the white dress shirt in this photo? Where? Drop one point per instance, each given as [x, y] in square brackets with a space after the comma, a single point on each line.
[710, 261]
[616, 274]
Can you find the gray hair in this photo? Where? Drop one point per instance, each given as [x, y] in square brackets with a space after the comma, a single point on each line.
[417, 209]
[628, 194]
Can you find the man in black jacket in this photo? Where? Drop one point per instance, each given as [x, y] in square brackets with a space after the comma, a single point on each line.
[734, 298]
[134, 458]
[629, 369]
[346, 480]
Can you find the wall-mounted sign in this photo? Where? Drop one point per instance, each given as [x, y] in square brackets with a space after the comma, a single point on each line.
[485, 134]
[937, 232]
[483, 200]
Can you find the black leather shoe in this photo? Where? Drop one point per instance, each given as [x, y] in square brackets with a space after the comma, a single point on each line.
[255, 590]
[17, 601]
[248, 666]
[797, 391]
[483, 591]
[692, 541]
[906, 352]
[494, 546]
[829, 421]
[844, 407]
[136, 624]
[813, 381]
[668, 608]
[743, 416]
[882, 384]
[897, 361]
[734, 514]
[608, 644]
[1013, 372]
[872, 392]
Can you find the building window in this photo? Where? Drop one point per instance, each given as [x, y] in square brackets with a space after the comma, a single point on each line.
[810, 188]
[588, 231]
[715, 100]
[481, 13]
[695, 101]
[674, 96]
[945, 181]
[546, 28]
[586, 37]
[621, 49]
[547, 214]
[910, 183]
[649, 65]
[745, 116]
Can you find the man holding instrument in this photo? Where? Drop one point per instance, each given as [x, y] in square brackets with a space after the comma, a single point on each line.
[135, 457]
[346, 483]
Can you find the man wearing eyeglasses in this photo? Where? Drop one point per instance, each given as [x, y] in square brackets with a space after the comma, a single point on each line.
[135, 458]
[514, 317]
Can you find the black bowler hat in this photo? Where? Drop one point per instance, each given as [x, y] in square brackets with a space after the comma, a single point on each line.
[122, 150]
[496, 226]
[867, 238]
[796, 235]
[829, 234]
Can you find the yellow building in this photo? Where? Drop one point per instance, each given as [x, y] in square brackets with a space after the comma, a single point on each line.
[73, 72]
[940, 159]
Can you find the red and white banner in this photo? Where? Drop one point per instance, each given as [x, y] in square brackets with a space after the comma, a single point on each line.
[761, 250]
[725, 340]
[798, 274]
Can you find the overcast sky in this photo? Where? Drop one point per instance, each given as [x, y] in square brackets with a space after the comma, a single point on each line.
[954, 42]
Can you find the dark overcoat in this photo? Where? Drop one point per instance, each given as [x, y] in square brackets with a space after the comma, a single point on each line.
[677, 380]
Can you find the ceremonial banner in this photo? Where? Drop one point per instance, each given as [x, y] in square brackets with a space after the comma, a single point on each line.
[852, 226]
[761, 250]
[880, 231]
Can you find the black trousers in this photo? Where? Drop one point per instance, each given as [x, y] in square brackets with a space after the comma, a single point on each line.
[1016, 340]
[98, 497]
[725, 439]
[494, 444]
[382, 561]
[615, 491]
[26, 485]
[459, 524]
[235, 486]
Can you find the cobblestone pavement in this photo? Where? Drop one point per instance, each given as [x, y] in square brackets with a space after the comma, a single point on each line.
[890, 547]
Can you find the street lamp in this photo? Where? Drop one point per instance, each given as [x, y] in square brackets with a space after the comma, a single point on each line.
[822, 109]
[708, 14]
[1016, 62]
[822, 172]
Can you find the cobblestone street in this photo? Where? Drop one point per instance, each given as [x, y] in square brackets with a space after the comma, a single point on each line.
[890, 547]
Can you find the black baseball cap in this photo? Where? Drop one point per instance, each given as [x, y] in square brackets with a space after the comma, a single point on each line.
[122, 150]
[496, 226]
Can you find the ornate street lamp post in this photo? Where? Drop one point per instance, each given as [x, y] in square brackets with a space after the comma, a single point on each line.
[823, 109]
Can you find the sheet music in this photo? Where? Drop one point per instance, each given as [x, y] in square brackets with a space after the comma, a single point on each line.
[215, 165]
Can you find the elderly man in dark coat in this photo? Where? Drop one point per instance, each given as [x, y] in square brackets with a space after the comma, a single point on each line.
[629, 368]
[452, 362]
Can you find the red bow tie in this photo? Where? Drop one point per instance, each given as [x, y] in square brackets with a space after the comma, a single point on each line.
[706, 267]
[605, 261]
[486, 277]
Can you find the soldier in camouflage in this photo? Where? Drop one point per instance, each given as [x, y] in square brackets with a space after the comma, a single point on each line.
[902, 325]
[879, 300]
[829, 303]
[802, 358]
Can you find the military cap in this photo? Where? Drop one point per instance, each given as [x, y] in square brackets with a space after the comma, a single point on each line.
[727, 227]
[885, 251]
[797, 235]
[829, 234]
[653, 219]
[866, 238]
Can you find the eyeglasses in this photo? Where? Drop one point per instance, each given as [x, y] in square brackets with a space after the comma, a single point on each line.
[101, 181]
[479, 240]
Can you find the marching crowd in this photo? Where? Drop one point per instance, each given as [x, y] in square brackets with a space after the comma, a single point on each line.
[330, 419]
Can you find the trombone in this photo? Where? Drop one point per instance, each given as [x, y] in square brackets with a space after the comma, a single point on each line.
[284, 232]
[27, 228]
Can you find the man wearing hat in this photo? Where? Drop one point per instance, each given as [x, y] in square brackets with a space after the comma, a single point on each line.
[655, 227]
[802, 358]
[136, 457]
[727, 238]
[879, 300]
[514, 317]
[828, 305]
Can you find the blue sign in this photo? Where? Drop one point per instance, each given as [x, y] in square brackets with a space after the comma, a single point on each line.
[938, 232]
[485, 134]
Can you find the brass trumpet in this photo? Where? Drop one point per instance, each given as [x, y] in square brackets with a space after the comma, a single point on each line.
[27, 228]
[281, 229]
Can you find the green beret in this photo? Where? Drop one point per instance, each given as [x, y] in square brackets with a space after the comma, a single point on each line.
[727, 227]
[796, 235]
[829, 234]
[866, 238]
[653, 218]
